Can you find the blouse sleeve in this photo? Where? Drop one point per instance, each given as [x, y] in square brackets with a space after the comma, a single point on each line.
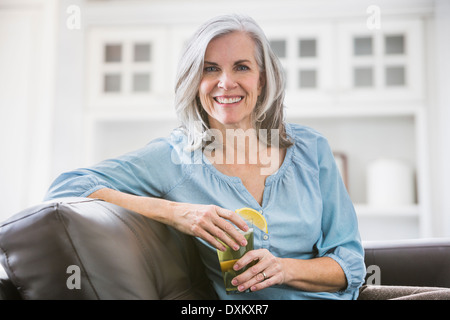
[340, 239]
[147, 172]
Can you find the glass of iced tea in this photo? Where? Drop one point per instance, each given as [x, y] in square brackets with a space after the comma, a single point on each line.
[228, 258]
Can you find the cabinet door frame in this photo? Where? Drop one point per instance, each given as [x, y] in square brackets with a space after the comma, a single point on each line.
[413, 61]
[321, 63]
[127, 37]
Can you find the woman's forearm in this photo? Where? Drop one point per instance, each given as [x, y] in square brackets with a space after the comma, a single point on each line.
[319, 274]
[209, 222]
[157, 209]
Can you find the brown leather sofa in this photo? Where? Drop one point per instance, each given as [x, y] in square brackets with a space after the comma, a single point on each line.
[79, 248]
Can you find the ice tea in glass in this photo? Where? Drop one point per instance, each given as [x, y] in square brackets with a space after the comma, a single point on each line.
[228, 258]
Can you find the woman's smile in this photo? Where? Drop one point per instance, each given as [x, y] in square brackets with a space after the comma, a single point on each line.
[228, 100]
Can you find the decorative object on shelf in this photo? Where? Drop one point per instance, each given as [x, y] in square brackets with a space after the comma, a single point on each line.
[390, 182]
[341, 162]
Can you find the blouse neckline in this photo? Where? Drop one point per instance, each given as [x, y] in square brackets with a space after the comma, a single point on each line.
[270, 179]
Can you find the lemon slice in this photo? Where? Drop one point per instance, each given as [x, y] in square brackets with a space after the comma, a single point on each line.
[226, 266]
[258, 220]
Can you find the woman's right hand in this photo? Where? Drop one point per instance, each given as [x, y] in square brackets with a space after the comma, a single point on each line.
[210, 222]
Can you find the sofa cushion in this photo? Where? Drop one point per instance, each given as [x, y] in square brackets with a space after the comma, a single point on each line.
[79, 248]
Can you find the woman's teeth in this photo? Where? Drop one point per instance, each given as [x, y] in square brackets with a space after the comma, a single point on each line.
[223, 100]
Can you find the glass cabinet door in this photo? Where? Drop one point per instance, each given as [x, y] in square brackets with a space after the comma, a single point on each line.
[124, 66]
[305, 56]
[127, 67]
[381, 64]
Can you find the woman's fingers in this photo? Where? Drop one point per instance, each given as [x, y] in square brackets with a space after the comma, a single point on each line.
[205, 235]
[211, 224]
[265, 273]
[228, 231]
[233, 217]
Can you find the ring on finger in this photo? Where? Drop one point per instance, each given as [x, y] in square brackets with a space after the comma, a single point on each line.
[264, 275]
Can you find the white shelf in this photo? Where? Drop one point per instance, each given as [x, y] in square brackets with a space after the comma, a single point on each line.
[163, 112]
[351, 111]
[365, 210]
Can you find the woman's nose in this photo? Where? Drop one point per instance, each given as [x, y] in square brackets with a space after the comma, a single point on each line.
[226, 81]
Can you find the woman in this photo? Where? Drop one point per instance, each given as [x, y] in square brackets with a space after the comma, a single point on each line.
[230, 86]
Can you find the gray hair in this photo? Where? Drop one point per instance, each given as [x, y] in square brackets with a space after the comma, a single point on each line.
[268, 113]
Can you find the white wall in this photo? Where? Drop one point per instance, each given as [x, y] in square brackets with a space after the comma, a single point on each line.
[67, 139]
[440, 117]
[26, 106]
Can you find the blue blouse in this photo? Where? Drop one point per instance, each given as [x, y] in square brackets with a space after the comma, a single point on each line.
[308, 210]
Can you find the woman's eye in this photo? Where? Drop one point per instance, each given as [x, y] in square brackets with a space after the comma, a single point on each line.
[210, 69]
[242, 68]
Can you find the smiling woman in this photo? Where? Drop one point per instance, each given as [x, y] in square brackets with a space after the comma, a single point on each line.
[230, 80]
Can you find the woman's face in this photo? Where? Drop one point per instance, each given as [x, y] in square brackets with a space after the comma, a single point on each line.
[231, 81]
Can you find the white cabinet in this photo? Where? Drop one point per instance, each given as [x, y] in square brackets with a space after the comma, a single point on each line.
[304, 51]
[126, 68]
[384, 64]
[364, 90]
[344, 63]
[130, 79]
[129, 85]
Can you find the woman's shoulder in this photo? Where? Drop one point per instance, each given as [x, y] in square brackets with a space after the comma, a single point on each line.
[164, 143]
[160, 150]
[303, 134]
[309, 145]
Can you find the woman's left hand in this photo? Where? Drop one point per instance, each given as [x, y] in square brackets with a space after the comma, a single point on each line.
[267, 271]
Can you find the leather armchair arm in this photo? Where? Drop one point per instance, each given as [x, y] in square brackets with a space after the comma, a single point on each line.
[416, 262]
[83, 248]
